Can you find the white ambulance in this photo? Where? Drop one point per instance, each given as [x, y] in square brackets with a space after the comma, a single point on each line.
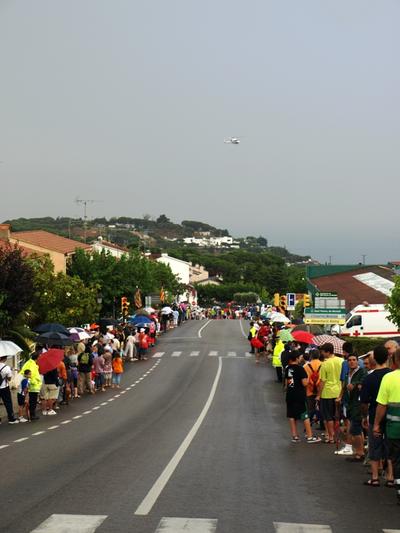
[369, 320]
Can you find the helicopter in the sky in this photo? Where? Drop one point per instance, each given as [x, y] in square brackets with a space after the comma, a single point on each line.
[232, 140]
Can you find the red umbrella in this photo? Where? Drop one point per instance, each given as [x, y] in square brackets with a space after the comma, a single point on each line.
[50, 360]
[303, 336]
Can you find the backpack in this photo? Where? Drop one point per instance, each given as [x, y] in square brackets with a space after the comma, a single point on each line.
[314, 379]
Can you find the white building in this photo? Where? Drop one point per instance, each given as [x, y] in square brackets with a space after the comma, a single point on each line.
[181, 269]
[109, 247]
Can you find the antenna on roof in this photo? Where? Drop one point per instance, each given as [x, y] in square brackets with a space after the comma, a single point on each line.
[84, 203]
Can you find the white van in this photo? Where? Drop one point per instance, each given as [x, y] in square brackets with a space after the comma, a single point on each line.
[369, 321]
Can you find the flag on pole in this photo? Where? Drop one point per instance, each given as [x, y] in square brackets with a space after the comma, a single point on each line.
[162, 295]
[138, 299]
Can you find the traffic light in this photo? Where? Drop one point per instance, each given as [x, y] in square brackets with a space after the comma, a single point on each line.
[283, 302]
[124, 306]
[276, 299]
[306, 300]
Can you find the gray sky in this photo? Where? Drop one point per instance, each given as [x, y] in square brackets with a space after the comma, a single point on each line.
[128, 103]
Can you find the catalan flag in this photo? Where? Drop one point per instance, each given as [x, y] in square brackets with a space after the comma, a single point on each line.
[138, 299]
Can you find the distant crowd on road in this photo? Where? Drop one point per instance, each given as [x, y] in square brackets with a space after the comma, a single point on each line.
[354, 401]
[89, 366]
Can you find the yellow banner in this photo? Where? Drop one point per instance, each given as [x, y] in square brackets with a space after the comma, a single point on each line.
[322, 321]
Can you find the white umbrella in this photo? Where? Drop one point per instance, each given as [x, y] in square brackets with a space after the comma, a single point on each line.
[79, 333]
[166, 310]
[9, 349]
[279, 317]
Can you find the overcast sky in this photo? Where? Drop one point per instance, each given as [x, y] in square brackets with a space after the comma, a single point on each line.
[128, 102]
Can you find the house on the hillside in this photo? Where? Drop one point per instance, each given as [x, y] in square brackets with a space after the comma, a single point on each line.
[101, 245]
[59, 249]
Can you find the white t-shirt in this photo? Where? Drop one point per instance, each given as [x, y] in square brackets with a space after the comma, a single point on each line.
[5, 372]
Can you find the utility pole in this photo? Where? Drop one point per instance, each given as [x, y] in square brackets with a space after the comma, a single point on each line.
[330, 260]
[84, 203]
[363, 258]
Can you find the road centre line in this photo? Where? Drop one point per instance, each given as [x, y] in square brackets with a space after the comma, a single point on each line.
[38, 433]
[187, 525]
[21, 439]
[285, 527]
[54, 427]
[202, 327]
[66, 422]
[155, 491]
[76, 417]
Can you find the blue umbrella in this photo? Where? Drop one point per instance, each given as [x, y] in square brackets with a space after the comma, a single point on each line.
[140, 320]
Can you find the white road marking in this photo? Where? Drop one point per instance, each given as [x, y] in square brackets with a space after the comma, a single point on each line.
[155, 491]
[391, 530]
[123, 392]
[202, 327]
[213, 353]
[111, 400]
[87, 412]
[103, 403]
[248, 354]
[96, 407]
[284, 527]
[231, 354]
[241, 327]
[38, 433]
[117, 395]
[70, 523]
[53, 427]
[4, 446]
[66, 422]
[194, 354]
[176, 354]
[187, 525]
[158, 354]
[76, 417]
[21, 439]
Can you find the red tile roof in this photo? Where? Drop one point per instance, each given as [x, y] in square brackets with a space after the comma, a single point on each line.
[48, 241]
[352, 290]
[25, 251]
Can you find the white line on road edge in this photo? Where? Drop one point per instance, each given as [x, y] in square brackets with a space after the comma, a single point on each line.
[4, 446]
[21, 439]
[70, 523]
[155, 491]
[188, 525]
[241, 327]
[391, 530]
[77, 417]
[53, 427]
[38, 433]
[66, 422]
[284, 527]
[202, 327]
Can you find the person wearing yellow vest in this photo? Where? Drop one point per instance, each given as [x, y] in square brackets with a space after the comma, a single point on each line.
[276, 359]
[252, 334]
[35, 383]
[388, 403]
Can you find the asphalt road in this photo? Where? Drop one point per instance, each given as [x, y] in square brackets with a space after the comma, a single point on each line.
[196, 441]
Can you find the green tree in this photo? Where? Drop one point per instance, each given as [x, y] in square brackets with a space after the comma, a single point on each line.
[393, 303]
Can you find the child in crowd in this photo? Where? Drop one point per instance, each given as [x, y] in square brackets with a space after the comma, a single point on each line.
[107, 368]
[296, 381]
[143, 344]
[22, 397]
[118, 368]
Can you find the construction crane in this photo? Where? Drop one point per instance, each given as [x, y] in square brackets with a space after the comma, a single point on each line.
[85, 204]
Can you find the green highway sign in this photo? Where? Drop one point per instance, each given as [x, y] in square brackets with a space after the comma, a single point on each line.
[326, 294]
[329, 311]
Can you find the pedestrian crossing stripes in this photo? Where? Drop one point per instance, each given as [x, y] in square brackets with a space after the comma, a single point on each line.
[197, 353]
[213, 354]
[158, 354]
[176, 354]
[187, 525]
[231, 354]
[285, 527]
[70, 523]
[194, 354]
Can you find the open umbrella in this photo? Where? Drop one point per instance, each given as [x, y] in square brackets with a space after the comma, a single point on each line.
[9, 349]
[141, 320]
[54, 339]
[78, 334]
[53, 327]
[50, 360]
[285, 335]
[335, 341]
[303, 336]
[279, 317]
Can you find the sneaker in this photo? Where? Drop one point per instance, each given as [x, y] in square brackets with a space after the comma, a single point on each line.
[312, 440]
[295, 439]
[345, 451]
[23, 419]
[51, 412]
[44, 413]
[15, 421]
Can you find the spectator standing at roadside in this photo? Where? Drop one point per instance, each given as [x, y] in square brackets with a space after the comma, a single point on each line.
[35, 382]
[22, 397]
[276, 359]
[118, 369]
[329, 389]
[391, 347]
[85, 362]
[355, 379]
[5, 394]
[295, 383]
[312, 369]
[130, 348]
[388, 403]
[49, 392]
[98, 366]
[107, 368]
[377, 445]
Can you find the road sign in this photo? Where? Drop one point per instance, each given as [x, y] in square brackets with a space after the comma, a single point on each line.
[290, 301]
[326, 294]
[329, 311]
[320, 320]
[333, 315]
